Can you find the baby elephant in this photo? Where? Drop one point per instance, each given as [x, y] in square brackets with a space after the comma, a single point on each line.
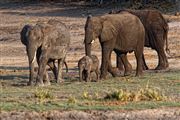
[88, 64]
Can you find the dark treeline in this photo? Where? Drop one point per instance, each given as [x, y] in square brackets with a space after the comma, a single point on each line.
[135, 1]
[99, 1]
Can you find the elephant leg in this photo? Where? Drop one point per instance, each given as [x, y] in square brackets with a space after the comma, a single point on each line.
[119, 63]
[145, 67]
[80, 75]
[59, 78]
[159, 47]
[105, 61]
[45, 76]
[31, 74]
[139, 69]
[127, 65]
[53, 67]
[84, 75]
[162, 62]
[113, 71]
[88, 77]
[46, 79]
[41, 71]
[97, 74]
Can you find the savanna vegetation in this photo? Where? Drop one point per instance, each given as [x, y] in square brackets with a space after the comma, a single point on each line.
[153, 90]
[157, 90]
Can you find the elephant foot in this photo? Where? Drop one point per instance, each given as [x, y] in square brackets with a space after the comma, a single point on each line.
[115, 72]
[60, 81]
[128, 70]
[87, 80]
[127, 73]
[47, 83]
[160, 67]
[138, 74]
[39, 84]
[121, 72]
[145, 67]
[103, 77]
[121, 69]
[29, 83]
[95, 80]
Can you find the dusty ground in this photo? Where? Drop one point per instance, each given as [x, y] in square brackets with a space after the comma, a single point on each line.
[156, 114]
[13, 55]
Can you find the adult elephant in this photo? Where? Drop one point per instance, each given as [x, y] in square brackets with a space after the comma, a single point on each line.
[46, 42]
[121, 33]
[156, 31]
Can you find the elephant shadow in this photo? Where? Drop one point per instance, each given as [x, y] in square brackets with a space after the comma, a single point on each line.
[72, 76]
[13, 75]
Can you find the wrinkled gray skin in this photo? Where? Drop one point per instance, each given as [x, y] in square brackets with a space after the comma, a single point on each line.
[46, 42]
[87, 65]
[121, 33]
[156, 31]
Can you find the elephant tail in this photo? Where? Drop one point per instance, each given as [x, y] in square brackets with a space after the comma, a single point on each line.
[166, 28]
[66, 66]
[166, 40]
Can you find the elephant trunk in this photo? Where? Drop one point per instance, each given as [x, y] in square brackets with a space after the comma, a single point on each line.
[88, 49]
[31, 57]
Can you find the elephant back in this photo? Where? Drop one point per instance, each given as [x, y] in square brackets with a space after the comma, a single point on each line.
[63, 32]
[152, 21]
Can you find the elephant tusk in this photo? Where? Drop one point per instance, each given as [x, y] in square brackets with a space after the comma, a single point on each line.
[34, 57]
[92, 41]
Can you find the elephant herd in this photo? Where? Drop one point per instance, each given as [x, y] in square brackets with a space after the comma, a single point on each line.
[121, 31]
[47, 43]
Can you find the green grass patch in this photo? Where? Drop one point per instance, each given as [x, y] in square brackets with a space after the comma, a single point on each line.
[153, 90]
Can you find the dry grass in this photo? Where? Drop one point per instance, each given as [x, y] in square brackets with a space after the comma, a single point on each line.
[123, 93]
[143, 94]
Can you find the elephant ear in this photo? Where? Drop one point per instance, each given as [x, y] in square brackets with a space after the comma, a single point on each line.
[108, 31]
[24, 34]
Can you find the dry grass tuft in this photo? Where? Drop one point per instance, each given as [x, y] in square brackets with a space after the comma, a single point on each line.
[43, 95]
[72, 100]
[143, 94]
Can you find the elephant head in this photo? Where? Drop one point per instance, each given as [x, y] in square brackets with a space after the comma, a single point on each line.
[32, 38]
[93, 29]
[98, 27]
[88, 64]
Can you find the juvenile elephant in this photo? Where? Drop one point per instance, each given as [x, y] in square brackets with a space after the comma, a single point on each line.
[156, 31]
[46, 42]
[86, 65]
[121, 33]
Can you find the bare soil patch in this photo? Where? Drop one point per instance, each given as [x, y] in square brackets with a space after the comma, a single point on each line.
[156, 114]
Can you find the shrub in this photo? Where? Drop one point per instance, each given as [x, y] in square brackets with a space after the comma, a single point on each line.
[146, 94]
[42, 95]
